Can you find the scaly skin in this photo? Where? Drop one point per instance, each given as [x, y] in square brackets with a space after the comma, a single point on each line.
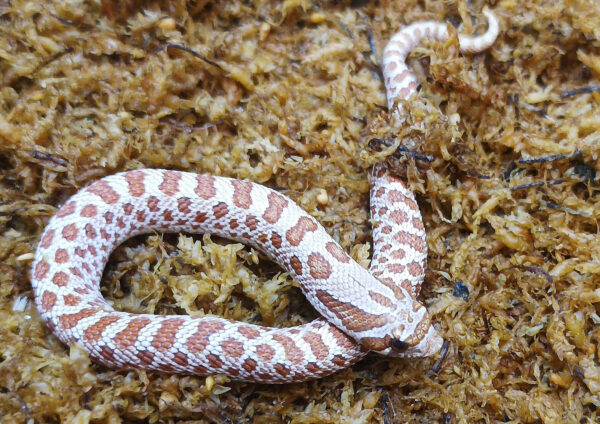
[403, 262]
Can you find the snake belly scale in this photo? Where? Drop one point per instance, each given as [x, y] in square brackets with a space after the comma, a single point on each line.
[362, 310]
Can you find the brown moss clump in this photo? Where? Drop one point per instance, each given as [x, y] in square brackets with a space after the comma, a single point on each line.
[290, 95]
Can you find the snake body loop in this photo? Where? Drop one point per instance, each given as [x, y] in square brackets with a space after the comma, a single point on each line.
[362, 310]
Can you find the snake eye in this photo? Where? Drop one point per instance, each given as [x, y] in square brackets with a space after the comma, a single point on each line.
[398, 345]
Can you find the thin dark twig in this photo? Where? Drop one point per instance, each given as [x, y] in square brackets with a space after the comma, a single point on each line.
[566, 209]
[539, 271]
[551, 158]
[385, 400]
[419, 156]
[579, 373]
[65, 21]
[474, 173]
[507, 173]
[371, 42]
[193, 53]
[345, 29]
[52, 59]
[438, 364]
[374, 144]
[582, 90]
[485, 320]
[536, 184]
[86, 401]
[48, 157]
[515, 100]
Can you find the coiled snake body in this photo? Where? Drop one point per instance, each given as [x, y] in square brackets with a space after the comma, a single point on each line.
[363, 310]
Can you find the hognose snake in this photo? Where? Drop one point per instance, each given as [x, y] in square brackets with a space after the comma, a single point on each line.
[363, 310]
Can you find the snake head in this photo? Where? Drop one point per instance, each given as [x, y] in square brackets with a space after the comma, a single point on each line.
[414, 337]
[425, 342]
[422, 340]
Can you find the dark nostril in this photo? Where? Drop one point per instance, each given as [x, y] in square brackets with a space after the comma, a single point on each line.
[399, 345]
